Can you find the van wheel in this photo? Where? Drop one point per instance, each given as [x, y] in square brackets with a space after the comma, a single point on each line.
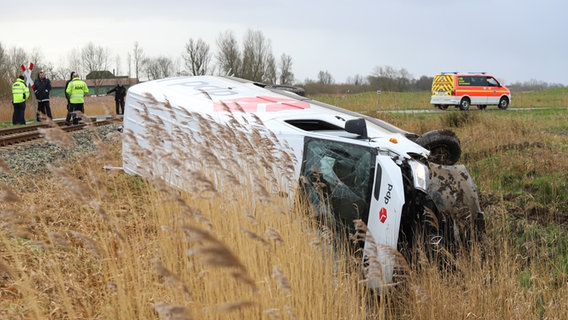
[444, 146]
[503, 103]
[442, 106]
[482, 107]
[464, 104]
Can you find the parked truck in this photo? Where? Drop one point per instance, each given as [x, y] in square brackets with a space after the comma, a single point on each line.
[350, 166]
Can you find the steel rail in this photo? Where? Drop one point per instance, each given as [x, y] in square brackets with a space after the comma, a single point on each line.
[14, 136]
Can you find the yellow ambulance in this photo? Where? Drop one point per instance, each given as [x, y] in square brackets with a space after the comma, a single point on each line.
[463, 90]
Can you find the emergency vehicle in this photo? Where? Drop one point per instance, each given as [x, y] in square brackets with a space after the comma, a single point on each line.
[466, 89]
[345, 165]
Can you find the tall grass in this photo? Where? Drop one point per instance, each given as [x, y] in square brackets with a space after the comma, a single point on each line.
[84, 242]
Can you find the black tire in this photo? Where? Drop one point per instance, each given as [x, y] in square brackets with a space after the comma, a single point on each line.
[464, 104]
[442, 106]
[504, 103]
[444, 146]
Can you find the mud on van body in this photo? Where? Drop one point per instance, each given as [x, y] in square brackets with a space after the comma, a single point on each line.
[463, 90]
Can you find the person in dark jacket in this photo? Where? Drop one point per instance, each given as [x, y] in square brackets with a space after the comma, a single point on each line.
[42, 89]
[119, 94]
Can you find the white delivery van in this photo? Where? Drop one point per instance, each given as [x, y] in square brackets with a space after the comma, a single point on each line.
[347, 164]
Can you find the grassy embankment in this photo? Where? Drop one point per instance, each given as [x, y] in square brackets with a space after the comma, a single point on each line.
[82, 242]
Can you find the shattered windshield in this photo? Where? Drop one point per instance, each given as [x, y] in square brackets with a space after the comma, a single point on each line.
[337, 180]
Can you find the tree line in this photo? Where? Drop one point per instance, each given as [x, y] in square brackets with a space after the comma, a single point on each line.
[252, 59]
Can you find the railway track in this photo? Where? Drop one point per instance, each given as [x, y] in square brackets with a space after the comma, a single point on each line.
[14, 136]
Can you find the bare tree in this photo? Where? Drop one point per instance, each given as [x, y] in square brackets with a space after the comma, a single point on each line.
[66, 65]
[270, 75]
[286, 74]
[197, 57]
[36, 57]
[4, 77]
[49, 70]
[129, 64]
[138, 58]
[95, 58]
[158, 68]
[16, 57]
[3, 58]
[228, 56]
[117, 68]
[324, 77]
[257, 54]
[357, 80]
[390, 79]
[74, 60]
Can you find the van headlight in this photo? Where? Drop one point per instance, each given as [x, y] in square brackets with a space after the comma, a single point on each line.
[420, 174]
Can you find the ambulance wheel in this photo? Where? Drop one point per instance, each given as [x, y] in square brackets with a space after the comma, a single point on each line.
[503, 103]
[444, 146]
[482, 107]
[464, 104]
[442, 106]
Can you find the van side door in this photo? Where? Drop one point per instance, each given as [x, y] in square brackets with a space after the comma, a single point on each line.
[493, 90]
[478, 90]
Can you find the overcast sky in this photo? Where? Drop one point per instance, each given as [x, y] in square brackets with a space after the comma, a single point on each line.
[516, 40]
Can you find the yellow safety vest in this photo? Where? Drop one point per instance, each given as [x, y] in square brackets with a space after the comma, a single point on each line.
[20, 92]
[76, 91]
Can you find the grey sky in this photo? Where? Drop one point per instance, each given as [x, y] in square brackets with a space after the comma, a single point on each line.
[516, 40]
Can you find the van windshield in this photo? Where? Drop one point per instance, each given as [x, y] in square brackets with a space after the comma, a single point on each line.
[337, 180]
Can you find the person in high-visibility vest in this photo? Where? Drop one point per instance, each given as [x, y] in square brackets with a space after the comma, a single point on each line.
[76, 91]
[20, 93]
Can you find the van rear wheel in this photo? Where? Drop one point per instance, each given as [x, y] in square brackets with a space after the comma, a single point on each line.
[442, 106]
[464, 104]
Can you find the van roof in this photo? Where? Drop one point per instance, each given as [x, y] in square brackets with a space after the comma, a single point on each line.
[470, 72]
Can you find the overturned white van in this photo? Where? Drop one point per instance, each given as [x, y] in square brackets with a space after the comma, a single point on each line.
[351, 166]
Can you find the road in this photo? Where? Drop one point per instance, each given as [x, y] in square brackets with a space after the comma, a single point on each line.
[436, 110]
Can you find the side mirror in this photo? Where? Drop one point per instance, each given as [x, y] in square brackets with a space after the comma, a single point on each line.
[357, 126]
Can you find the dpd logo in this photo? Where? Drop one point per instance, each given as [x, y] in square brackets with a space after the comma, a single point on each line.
[388, 195]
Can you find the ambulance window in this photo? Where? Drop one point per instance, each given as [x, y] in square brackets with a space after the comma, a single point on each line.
[481, 81]
[465, 81]
[492, 82]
